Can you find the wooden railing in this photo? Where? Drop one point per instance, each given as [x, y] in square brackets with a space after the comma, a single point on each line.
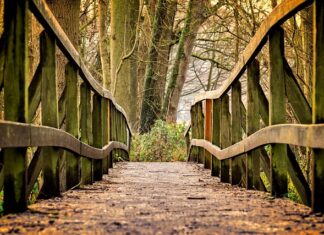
[96, 129]
[218, 127]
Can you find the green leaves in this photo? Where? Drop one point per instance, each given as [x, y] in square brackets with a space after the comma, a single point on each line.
[165, 142]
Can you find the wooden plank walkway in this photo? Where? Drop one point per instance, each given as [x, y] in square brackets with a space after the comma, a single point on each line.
[163, 198]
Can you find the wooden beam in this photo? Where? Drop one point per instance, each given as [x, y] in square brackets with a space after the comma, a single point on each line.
[104, 118]
[279, 182]
[51, 186]
[200, 128]
[2, 61]
[73, 163]
[225, 138]
[298, 179]
[97, 134]
[15, 73]
[34, 169]
[216, 135]
[318, 105]
[86, 132]
[296, 98]
[294, 134]
[237, 162]
[34, 93]
[253, 124]
[208, 131]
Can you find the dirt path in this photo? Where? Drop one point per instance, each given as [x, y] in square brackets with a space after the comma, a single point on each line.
[163, 198]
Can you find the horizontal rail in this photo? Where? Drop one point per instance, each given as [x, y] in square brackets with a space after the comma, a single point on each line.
[279, 14]
[44, 15]
[295, 134]
[29, 135]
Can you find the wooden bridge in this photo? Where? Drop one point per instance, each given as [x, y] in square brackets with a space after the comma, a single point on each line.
[225, 136]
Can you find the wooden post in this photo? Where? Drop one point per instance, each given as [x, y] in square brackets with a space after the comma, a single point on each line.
[318, 105]
[237, 162]
[216, 135]
[208, 131]
[73, 164]
[86, 133]
[97, 134]
[49, 155]
[109, 133]
[193, 153]
[104, 118]
[112, 132]
[253, 124]
[200, 124]
[277, 111]
[15, 73]
[225, 138]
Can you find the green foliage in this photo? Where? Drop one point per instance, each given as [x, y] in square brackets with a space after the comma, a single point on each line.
[165, 142]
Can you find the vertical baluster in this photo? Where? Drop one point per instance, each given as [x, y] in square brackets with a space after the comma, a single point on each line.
[112, 133]
[225, 138]
[97, 134]
[104, 113]
[277, 105]
[49, 155]
[86, 132]
[253, 124]
[200, 124]
[73, 163]
[15, 74]
[208, 130]
[237, 162]
[109, 133]
[192, 154]
[216, 135]
[318, 105]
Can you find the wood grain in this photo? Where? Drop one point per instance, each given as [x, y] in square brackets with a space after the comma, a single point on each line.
[41, 136]
[295, 134]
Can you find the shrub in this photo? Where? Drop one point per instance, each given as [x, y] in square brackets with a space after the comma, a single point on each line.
[165, 142]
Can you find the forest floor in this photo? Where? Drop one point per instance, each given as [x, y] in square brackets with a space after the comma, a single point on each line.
[163, 198]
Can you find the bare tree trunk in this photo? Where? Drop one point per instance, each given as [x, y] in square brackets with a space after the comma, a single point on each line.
[196, 15]
[151, 101]
[124, 18]
[103, 10]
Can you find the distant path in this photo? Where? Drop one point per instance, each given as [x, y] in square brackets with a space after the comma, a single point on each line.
[163, 198]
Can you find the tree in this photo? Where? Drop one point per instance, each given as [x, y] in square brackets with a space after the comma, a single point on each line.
[123, 40]
[151, 101]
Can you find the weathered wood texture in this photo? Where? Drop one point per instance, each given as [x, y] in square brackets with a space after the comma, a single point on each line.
[225, 138]
[253, 124]
[294, 134]
[15, 72]
[318, 107]
[86, 132]
[277, 111]
[72, 124]
[216, 135]
[51, 186]
[42, 136]
[237, 163]
[208, 131]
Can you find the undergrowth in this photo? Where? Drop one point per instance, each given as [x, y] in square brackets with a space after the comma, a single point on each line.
[164, 143]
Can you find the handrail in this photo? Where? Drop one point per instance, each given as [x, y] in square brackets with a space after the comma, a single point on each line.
[42, 136]
[295, 134]
[48, 20]
[279, 14]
